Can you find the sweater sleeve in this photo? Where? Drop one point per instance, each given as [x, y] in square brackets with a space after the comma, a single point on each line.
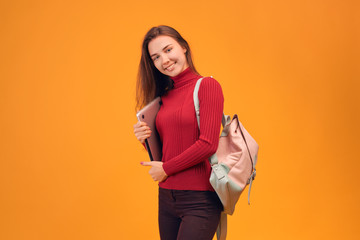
[211, 103]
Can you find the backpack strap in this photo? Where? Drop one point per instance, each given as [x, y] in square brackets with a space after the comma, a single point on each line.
[221, 231]
[253, 173]
[252, 177]
[196, 100]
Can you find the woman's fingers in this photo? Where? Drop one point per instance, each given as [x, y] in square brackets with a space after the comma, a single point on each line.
[156, 171]
[142, 136]
[141, 126]
[142, 131]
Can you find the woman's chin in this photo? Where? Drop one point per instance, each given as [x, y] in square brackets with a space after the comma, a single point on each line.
[173, 73]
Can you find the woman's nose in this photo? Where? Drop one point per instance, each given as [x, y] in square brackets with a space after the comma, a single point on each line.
[165, 59]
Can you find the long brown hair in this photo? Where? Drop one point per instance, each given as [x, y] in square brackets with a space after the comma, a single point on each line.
[150, 81]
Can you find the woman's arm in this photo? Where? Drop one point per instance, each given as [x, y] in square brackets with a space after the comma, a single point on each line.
[211, 102]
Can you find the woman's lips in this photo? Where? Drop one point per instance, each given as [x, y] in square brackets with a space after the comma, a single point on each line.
[170, 68]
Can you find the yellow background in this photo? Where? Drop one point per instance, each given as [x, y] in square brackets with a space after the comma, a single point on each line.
[69, 161]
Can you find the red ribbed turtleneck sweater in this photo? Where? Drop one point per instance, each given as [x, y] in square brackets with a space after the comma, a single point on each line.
[186, 149]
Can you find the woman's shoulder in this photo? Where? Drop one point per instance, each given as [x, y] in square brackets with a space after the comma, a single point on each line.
[209, 83]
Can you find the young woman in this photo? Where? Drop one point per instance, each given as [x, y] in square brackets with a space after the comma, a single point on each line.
[189, 209]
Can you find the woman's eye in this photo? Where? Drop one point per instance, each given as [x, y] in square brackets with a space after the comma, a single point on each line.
[168, 50]
[155, 58]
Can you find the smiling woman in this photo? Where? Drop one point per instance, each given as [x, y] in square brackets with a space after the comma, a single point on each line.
[152, 81]
[168, 56]
[189, 208]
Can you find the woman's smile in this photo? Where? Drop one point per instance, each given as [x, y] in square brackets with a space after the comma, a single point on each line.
[171, 67]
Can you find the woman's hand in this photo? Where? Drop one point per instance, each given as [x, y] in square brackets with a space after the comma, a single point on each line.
[156, 171]
[142, 131]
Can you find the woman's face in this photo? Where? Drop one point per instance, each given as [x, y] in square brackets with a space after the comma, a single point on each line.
[168, 56]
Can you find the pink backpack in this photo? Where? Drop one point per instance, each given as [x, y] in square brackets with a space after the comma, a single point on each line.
[233, 164]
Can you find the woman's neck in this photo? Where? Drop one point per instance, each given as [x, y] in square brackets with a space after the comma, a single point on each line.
[185, 77]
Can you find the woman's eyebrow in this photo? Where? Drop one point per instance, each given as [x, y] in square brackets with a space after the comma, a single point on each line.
[162, 50]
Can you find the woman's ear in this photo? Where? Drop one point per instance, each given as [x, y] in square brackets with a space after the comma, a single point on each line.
[185, 50]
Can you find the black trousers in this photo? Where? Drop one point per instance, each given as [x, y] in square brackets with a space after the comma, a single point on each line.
[188, 215]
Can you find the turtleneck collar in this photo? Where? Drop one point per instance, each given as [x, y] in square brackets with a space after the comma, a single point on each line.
[185, 77]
